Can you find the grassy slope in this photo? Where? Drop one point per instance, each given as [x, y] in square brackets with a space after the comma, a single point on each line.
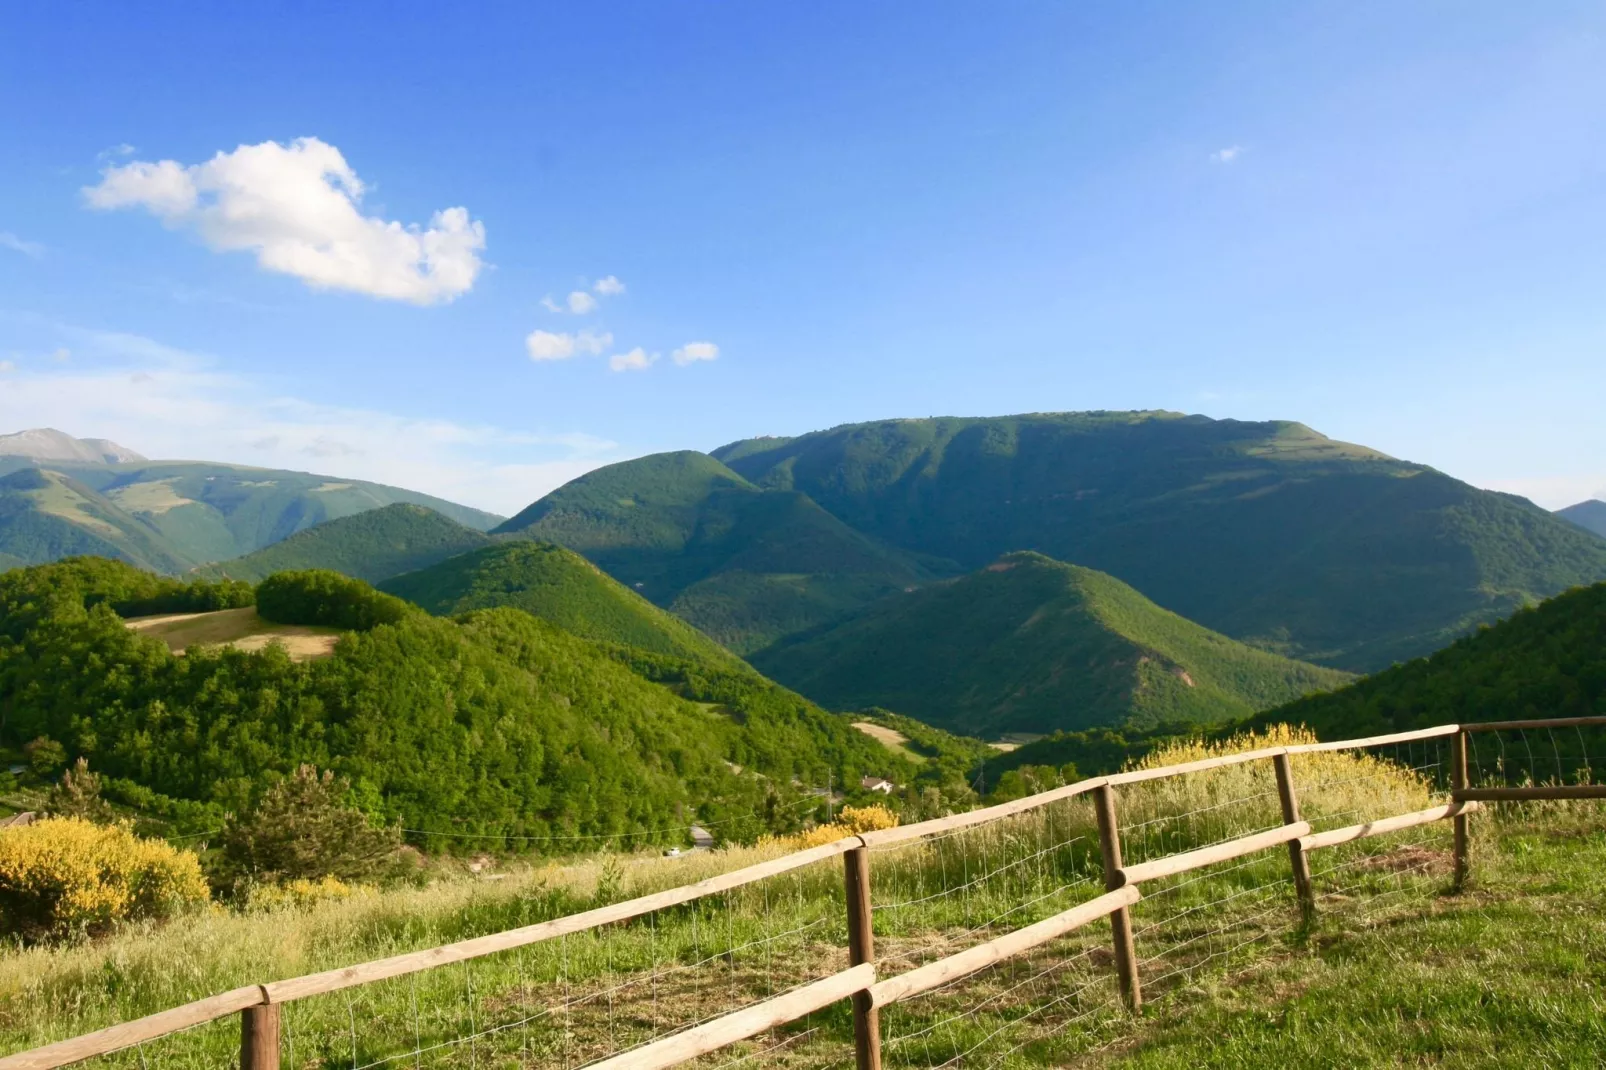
[194, 512]
[557, 585]
[46, 515]
[1548, 661]
[1031, 644]
[240, 628]
[744, 565]
[1268, 532]
[371, 546]
[1590, 515]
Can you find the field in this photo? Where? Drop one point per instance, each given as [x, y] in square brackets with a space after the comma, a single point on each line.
[890, 738]
[239, 628]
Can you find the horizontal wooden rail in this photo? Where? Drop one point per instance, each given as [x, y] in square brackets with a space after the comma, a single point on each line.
[400, 965]
[1136, 776]
[1551, 722]
[1171, 865]
[939, 825]
[1559, 791]
[748, 1022]
[1348, 833]
[1377, 741]
[127, 1034]
[936, 974]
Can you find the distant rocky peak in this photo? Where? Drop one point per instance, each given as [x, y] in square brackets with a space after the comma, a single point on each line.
[48, 444]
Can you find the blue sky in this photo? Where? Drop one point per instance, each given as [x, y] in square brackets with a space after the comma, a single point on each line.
[1386, 221]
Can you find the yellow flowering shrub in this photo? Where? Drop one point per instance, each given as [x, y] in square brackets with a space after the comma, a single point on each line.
[301, 892]
[63, 875]
[850, 822]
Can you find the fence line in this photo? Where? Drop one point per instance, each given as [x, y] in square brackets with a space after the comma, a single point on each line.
[259, 1005]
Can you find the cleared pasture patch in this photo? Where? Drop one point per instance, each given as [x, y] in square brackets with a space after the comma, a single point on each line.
[890, 738]
[242, 629]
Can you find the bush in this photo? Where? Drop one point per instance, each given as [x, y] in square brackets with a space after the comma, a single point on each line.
[45, 756]
[301, 893]
[64, 875]
[321, 597]
[850, 822]
[78, 795]
[303, 830]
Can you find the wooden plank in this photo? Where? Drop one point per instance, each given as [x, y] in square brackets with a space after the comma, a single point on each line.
[882, 837]
[1376, 741]
[1560, 791]
[1463, 832]
[1333, 837]
[1549, 722]
[1288, 799]
[722, 1032]
[400, 965]
[1138, 775]
[861, 950]
[1220, 852]
[936, 974]
[127, 1034]
[1126, 956]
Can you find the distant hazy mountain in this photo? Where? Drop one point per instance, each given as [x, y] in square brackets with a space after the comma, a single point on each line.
[372, 546]
[172, 515]
[1029, 644]
[48, 444]
[1590, 515]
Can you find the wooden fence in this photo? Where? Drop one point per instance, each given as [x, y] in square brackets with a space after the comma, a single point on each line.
[258, 1005]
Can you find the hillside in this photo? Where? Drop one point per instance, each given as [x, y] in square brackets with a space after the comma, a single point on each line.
[494, 724]
[48, 444]
[557, 585]
[1029, 644]
[372, 546]
[742, 564]
[1268, 532]
[1547, 661]
[1590, 515]
[174, 515]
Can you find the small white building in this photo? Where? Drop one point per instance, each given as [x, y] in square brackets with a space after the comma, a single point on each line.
[875, 783]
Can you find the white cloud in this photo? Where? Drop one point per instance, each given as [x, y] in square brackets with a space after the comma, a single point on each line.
[692, 352]
[549, 345]
[166, 403]
[16, 244]
[636, 360]
[1228, 154]
[550, 305]
[609, 286]
[581, 302]
[296, 207]
[124, 149]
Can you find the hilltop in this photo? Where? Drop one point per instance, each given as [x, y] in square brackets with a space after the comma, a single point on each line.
[1590, 515]
[1029, 644]
[48, 444]
[743, 564]
[557, 585]
[372, 546]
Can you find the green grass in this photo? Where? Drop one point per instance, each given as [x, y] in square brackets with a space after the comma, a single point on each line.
[1030, 644]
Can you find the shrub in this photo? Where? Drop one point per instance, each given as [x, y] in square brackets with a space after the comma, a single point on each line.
[850, 822]
[65, 875]
[321, 597]
[303, 829]
[301, 893]
[78, 795]
[45, 756]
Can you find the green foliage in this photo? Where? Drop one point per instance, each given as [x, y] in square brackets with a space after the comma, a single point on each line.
[77, 794]
[1029, 644]
[328, 599]
[1548, 661]
[557, 585]
[305, 828]
[372, 545]
[45, 756]
[1590, 515]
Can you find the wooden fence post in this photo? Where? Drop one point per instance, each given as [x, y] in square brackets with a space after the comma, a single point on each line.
[1126, 959]
[1296, 853]
[259, 1037]
[861, 949]
[1458, 781]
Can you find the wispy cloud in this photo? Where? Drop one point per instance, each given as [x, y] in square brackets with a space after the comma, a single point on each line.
[552, 345]
[636, 360]
[10, 241]
[609, 286]
[1228, 154]
[581, 303]
[297, 207]
[692, 352]
[115, 152]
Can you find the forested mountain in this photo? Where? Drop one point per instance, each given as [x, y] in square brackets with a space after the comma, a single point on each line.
[1590, 515]
[372, 546]
[494, 723]
[1267, 532]
[559, 586]
[174, 515]
[744, 565]
[1029, 644]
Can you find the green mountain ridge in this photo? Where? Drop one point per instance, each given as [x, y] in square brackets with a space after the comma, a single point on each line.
[559, 586]
[1590, 515]
[1029, 644]
[742, 564]
[175, 515]
[371, 546]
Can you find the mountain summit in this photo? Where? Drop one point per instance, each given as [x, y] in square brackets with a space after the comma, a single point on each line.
[48, 444]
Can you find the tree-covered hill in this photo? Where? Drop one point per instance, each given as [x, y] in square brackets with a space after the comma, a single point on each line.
[1268, 532]
[372, 546]
[494, 723]
[557, 585]
[1029, 644]
[174, 515]
[744, 565]
[1546, 661]
[1590, 515]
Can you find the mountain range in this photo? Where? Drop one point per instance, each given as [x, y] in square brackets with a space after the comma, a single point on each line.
[1590, 515]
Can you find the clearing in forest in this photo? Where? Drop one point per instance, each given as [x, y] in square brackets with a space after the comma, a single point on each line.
[890, 738]
[239, 628]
